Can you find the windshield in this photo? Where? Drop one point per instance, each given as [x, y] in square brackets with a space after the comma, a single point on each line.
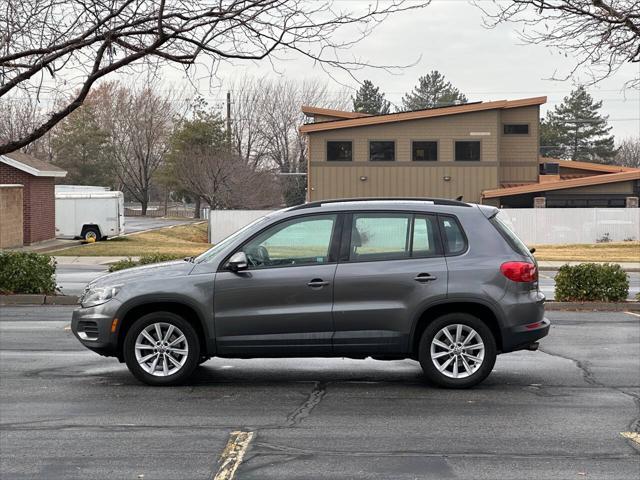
[218, 247]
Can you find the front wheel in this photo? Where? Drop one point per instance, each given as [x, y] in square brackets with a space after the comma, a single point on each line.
[161, 348]
[457, 350]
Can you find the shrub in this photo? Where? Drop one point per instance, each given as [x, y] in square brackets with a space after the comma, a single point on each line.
[27, 272]
[144, 260]
[592, 282]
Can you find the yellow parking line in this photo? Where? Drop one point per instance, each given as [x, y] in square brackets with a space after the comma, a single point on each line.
[633, 436]
[233, 454]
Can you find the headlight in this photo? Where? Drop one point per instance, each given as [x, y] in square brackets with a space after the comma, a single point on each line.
[98, 296]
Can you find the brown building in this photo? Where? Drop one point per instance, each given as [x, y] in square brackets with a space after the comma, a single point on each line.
[38, 193]
[440, 152]
[485, 152]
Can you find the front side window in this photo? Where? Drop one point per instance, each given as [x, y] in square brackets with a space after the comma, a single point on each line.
[301, 241]
[382, 151]
[516, 129]
[468, 151]
[339, 151]
[425, 151]
[455, 242]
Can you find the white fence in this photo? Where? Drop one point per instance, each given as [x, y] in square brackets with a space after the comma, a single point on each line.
[223, 223]
[535, 226]
[538, 226]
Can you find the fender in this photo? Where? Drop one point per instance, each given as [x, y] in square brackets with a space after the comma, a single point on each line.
[490, 304]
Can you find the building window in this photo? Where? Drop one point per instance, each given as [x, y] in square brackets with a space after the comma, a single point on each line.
[468, 151]
[516, 129]
[425, 151]
[382, 151]
[339, 151]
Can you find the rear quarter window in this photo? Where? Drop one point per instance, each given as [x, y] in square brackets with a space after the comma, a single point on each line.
[453, 237]
[503, 227]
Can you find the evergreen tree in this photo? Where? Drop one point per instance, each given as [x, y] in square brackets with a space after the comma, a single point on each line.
[576, 130]
[81, 146]
[368, 99]
[432, 91]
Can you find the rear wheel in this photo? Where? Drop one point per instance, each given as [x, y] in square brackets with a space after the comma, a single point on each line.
[161, 348]
[91, 234]
[457, 350]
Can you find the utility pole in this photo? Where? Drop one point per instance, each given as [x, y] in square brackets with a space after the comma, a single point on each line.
[229, 119]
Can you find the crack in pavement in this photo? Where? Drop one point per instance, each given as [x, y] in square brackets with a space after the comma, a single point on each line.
[303, 411]
[589, 378]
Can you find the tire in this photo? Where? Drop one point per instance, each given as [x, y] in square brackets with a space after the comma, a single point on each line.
[177, 358]
[462, 369]
[91, 232]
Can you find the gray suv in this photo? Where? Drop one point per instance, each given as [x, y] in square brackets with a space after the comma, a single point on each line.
[439, 281]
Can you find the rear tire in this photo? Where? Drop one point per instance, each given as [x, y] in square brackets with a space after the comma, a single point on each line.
[445, 354]
[161, 348]
[91, 232]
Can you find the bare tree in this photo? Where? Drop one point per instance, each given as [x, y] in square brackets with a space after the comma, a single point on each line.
[72, 44]
[265, 119]
[139, 124]
[225, 181]
[628, 153]
[601, 35]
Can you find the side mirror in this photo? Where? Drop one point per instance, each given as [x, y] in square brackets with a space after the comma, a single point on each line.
[237, 262]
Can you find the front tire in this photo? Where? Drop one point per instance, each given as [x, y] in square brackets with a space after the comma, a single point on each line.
[457, 350]
[161, 348]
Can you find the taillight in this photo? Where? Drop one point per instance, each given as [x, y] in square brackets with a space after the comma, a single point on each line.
[520, 271]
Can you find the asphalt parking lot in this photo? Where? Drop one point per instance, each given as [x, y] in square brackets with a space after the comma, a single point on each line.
[66, 413]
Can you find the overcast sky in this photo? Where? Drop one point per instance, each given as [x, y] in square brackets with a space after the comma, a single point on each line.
[484, 64]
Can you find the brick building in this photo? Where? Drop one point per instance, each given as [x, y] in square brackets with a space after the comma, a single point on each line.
[38, 193]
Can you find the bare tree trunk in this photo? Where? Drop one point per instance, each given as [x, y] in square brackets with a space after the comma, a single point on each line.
[145, 204]
[196, 210]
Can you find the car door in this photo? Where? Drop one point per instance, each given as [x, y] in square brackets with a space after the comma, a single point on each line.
[391, 266]
[281, 304]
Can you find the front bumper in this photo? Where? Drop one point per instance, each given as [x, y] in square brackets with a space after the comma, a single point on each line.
[92, 327]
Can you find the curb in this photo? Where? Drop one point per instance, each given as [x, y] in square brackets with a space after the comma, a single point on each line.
[38, 300]
[593, 306]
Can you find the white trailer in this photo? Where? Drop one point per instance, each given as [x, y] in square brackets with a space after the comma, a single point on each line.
[89, 214]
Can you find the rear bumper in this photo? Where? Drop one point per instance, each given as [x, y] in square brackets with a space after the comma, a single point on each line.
[521, 336]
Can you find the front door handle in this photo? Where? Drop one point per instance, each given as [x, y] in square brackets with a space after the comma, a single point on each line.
[317, 283]
[425, 277]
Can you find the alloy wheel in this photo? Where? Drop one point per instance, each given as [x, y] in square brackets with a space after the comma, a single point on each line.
[457, 351]
[161, 349]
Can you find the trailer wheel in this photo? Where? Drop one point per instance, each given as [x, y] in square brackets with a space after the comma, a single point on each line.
[91, 233]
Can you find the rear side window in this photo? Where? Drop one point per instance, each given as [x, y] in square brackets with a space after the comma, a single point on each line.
[507, 233]
[455, 241]
[393, 236]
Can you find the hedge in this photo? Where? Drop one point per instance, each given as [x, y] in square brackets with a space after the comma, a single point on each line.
[27, 272]
[590, 282]
[144, 260]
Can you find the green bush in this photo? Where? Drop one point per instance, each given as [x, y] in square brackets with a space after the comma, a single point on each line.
[592, 282]
[144, 260]
[26, 272]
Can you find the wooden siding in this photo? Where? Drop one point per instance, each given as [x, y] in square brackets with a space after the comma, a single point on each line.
[410, 179]
[519, 153]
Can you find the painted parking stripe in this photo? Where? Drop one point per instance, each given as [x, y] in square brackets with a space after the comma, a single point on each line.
[233, 454]
[633, 313]
[633, 436]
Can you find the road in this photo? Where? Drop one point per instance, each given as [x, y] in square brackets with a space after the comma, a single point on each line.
[139, 224]
[558, 413]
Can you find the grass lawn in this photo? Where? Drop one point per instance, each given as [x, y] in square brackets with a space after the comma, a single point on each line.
[598, 252]
[183, 240]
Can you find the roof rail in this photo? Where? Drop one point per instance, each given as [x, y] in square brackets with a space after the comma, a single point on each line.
[434, 201]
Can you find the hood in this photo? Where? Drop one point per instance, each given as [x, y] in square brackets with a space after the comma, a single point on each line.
[155, 271]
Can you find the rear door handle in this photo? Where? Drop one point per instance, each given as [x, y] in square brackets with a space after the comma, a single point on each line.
[425, 277]
[317, 283]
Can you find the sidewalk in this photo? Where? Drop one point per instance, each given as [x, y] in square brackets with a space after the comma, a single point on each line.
[90, 260]
[46, 246]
